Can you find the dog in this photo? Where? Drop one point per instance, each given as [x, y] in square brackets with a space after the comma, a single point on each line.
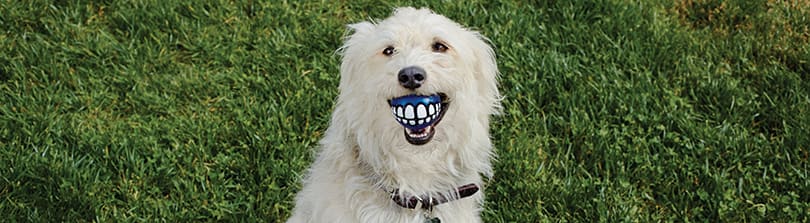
[408, 139]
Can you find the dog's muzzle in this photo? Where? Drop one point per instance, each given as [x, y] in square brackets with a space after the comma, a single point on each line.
[419, 115]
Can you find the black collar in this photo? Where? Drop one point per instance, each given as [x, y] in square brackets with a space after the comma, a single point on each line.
[428, 201]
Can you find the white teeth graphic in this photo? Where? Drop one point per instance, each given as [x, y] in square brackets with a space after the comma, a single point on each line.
[409, 112]
[418, 114]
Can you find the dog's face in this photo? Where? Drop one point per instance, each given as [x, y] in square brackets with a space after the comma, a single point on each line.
[421, 74]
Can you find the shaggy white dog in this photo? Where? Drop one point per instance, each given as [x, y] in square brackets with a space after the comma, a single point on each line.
[409, 136]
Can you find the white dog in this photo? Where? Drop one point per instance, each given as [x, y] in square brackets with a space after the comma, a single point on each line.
[409, 136]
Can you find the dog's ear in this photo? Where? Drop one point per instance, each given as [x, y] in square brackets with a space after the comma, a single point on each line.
[353, 45]
[356, 31]
[360, 28]
[487, 72]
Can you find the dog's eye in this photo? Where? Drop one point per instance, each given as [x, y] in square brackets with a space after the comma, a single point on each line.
[439, 47]
[388, 51]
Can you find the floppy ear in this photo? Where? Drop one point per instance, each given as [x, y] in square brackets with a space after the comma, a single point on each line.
[361, 28]
[486, 72]
[352, 45]
[356, 30]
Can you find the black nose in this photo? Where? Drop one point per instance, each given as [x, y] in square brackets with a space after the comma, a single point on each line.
[411, 77]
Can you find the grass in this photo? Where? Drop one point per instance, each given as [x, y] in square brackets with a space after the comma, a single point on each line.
[615, 111]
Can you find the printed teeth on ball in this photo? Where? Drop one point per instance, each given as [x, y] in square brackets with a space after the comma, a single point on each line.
[416, 111]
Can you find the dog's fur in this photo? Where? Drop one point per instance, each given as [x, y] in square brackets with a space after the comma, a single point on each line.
[364, 154]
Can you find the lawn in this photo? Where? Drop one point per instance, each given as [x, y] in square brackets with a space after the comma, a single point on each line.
[614, 111]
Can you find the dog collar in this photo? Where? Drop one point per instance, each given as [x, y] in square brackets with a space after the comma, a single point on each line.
[428, 201]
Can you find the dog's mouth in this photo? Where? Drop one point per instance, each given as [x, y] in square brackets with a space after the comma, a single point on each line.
[419, 114]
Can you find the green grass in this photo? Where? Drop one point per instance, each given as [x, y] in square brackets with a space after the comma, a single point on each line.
[615, 111]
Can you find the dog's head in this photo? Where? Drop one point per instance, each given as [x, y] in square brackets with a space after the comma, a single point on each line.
[417, 79]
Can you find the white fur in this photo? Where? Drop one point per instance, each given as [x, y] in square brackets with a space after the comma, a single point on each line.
[364, 151]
